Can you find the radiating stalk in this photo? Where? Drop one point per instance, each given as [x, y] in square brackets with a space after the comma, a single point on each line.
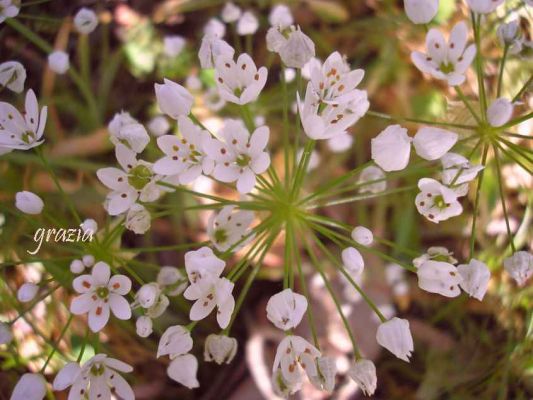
[476, 201]
[502, 197]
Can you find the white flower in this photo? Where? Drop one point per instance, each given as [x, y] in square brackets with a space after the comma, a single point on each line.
[436, 202]
[58, 61]
[173, 45]
[457, 170]
[138, 219]
[247, 24]
[391, 148]
[183, 370]
[353, 261]
[77, 267]
[226, 228]
[295, 50]
[280, 16]
[286, 309]
[27, 292]
[239, 156]
[143, 326]
[172, 280]
[294, 356]
[432, 143]
[325, 120]
[282, 387]
[29, 203]
[362, 235]
[395, 336]
[98, 378]
[435, 253]
[159, 307]
[372, 180]
[174, 342]
[18, 131]
[519, 266]
[215, 27]
[173, 99]
[8, 9]
[209, 293]
[239, 82]
[213, 100]
[147, 295]
[5, 333]
[439, 277]
[421, 11]
[85, 21]
[510, 36]
[13, 76]
[220, 349]
[203, 264]
[89, 225]
[341, 142]
[129, 132]
[363, 372]
[134, 181]
[484, 6]
[230, 13]
[326, 370]
[446, 61]
[476, 278]
[29, 387]
[99, 293]
[211, 48]
[500, 112]
[186, 156]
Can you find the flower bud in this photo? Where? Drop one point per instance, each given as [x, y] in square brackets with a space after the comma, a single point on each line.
[158, 126]
[230, 13]
[281, 16]
[372, 174]
[183, 370]
[326, 368]
[29, 387]
[58, 61]
[519, 266]
[173, 45]
[5, 333]
[508, 32]
[353, 261]
[363, 372]
[173, 99]
[29, 203]
[13, 76]
[298, 49]
[88, 260]
[362, 235]
[172, 280]
[89, 225]
[432, 143]
[391, 148]
[500, 112]
[247, 24]
[77, 266]
[27, 292]
[148, 294]
[143, 326]
[138, 219]
[395, 336]
[85, 21]
[421, 11]
[484, 6]
[220, 349]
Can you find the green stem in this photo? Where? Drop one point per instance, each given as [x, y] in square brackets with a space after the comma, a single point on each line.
[479, 65]
[464, 99]
[502, 66]
[523, 89]
[418, 121]
[476, 201]
[502, 198]
[286, 143]
[57, 342]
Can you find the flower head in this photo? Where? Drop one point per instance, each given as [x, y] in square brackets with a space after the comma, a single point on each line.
[391, 149]
[286, 309]
[446, 61]
[183, 370]
[101, 293]
[484, 6]
[439, 277]
[500, 112]
[280, 16]
[27, 292]
[211, 48]
[227, 228]
[230, 13]
[436, 202]
[29, 203]
[85, 21]
[220, 349]
[519, 266]
[30, 387]
[8, 9]
[421, 11]
[294, 356]
[58, 61]
[19, 131]
[363, 372]
[395, 336]
[475, 277]
[326, 368]
[173, 45]
[239, 82]
[432, 143]
[173, 99]
[238, 155]
[13, 76]
[174, 342]
[247, 24]
[144, 326]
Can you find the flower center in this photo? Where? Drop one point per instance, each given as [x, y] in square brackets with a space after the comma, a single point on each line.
[102, 292]
[447, 67]
[221, 236]
[243, 160]
[97, 370]
[139, 176]
[28, 137]
[440, 202]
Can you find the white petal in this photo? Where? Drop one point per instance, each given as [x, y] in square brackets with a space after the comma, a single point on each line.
[391, 148]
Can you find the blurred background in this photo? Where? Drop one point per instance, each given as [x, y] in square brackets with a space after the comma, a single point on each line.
[464, 349]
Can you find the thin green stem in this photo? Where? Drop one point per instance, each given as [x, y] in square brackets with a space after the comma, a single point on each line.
[419, 121]
[502, 198]
[476, 201]
[476, 19]
[464, 99]
[502, 68]
[523, 89]
[57, 343]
